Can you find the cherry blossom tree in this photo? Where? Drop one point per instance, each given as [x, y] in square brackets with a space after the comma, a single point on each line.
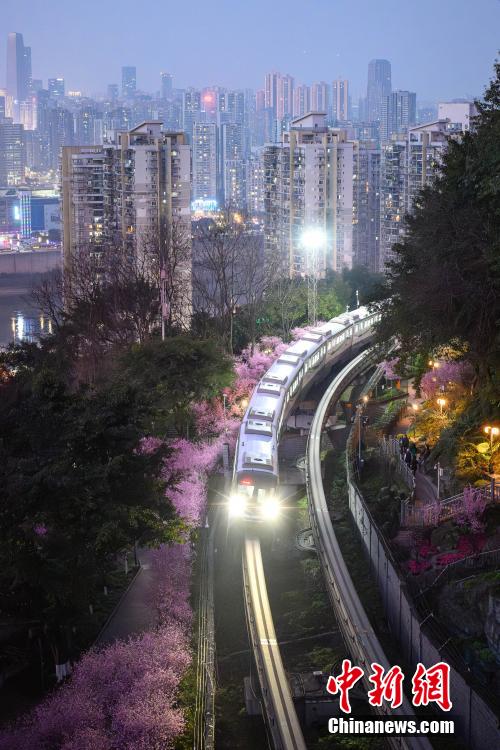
[389, 366]
[123, 696]
[445, 375]
[473, 504]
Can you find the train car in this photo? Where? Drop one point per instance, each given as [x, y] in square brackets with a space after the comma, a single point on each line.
[255, 484]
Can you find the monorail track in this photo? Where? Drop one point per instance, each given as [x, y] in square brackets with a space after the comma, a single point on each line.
[361, 640]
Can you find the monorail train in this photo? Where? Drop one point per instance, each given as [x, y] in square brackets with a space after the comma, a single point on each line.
[254, 490]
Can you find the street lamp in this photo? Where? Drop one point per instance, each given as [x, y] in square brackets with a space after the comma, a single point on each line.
[360, 407]
[493, 432]
[414, 406]
[312, 240]
[441, 402]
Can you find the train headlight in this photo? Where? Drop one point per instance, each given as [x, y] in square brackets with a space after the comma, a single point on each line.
[237, 505]
[270, 508]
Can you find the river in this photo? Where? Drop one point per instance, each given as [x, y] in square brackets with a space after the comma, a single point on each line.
[20, 320]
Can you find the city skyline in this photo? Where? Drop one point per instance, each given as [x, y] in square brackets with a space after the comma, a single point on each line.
[444, 71]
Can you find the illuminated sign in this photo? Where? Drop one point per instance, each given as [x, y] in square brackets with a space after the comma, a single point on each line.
[204, 205]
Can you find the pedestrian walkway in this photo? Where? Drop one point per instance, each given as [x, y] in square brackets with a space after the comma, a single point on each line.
[133, 614]
[425, 489]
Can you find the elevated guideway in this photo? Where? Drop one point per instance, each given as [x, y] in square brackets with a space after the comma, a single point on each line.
[360, 638]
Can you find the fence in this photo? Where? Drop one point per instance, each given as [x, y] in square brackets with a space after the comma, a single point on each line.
[389, 449]
[428, 515]
[488, 559]
[420, 635]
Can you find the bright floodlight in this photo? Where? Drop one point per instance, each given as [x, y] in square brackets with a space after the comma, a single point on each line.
[313, 238]
[270, 508]
[237, 505]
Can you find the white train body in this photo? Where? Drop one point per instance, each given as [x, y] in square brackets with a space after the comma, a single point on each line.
[254, 492]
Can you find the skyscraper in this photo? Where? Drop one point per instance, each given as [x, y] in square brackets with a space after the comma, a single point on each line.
[129, 81]
[379, 87]
[398, 113]
[18, 73]
[113, 91]
[57, 88]
[12, 154]
[166, 85]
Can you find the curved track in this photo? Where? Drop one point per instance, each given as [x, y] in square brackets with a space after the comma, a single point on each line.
[282, 721]
[360, 638]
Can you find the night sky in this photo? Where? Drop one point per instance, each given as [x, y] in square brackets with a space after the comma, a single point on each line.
[441, 50]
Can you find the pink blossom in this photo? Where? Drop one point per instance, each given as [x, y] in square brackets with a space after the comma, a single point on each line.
[473, 504]
[40, 529]
[389, 366]
[123, 696]
[446, 374]
[149, 445]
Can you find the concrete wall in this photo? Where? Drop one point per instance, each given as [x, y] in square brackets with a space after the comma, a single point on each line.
[475, 722]
[38, 261]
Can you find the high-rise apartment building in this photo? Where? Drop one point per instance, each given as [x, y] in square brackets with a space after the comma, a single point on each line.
[129, 81]
[409, 162]
[398, 113]
[320, 97]
[340, 100]
[83, 199]
[301, 101]
[233, 172]
[254, 183]
[125, 193]
[309, 182]
[191, 111]
[366, 212]
[284, 104]
[205, 157]
[278, 91]
[379, 87]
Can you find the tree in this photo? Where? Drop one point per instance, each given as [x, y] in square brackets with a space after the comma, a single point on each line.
[285, 306]
[227, 273]
[167, 253]
[443, 285]
[98, 306]
[172, 374]
[75, 493]
[122, 696]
